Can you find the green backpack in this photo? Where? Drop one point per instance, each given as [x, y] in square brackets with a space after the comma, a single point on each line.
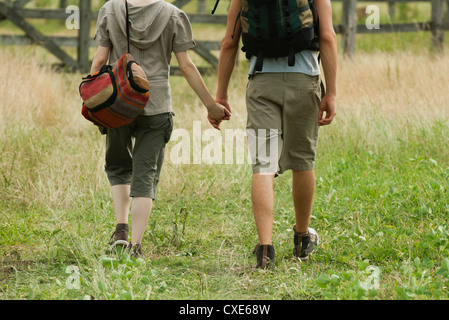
[278, 28]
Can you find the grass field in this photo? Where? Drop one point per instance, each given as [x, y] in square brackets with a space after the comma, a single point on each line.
[381, 205]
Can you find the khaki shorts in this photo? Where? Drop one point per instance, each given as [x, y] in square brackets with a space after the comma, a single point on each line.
[135, 153]
[282, 124]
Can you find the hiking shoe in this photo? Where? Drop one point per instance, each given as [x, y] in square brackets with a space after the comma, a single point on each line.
[265, 255]
[304, 244]
[135, 250]
[119, 239]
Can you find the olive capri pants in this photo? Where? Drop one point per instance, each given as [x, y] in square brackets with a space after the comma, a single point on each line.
[135, 153]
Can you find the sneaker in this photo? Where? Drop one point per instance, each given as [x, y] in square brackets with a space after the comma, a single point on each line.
[305, 244]
[135, 250]
[119, 239]
[265, 256]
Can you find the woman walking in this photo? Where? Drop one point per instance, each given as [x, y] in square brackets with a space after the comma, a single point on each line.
[135, 152]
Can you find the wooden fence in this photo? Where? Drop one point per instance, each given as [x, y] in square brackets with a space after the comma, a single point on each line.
[349, 27]
[15, 11]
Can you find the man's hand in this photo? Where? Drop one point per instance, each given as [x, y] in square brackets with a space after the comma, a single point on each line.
[225, 103]
[327, 106]
[216, 113]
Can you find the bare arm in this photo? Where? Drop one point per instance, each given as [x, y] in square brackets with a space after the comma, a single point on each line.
[215, 110]
[100, 59]
[328, 53]
[228, 52]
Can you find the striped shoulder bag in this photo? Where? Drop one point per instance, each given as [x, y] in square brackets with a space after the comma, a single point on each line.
[116, 94]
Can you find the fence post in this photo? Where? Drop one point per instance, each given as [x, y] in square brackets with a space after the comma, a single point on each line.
[201, 6]
[84, 35]
[437, 25]
[349, 26]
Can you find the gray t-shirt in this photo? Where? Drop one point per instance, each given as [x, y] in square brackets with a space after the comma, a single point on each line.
[306, 62]
[156, 31]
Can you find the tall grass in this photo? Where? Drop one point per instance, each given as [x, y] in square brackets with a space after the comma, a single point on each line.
[380, 207]
[44, 141]
[387, 96]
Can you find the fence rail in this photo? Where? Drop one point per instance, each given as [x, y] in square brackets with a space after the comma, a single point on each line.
[15, 12]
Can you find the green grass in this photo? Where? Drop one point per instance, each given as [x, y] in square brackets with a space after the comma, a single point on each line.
[386, 210]
[381, 205]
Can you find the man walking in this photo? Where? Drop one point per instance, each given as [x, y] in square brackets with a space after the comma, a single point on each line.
[285, 104]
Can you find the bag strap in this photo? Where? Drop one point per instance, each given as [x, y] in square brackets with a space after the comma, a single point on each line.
[215, 7]
[127, 27]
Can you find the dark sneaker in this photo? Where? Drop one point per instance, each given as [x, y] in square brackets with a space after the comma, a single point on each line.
[305, 244]
[265, 256]
[119, 239]
[135, 250]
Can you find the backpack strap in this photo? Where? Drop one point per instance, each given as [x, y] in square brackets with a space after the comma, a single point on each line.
[315, 12]
[291, 50]
[235, 23]
[271, 7]
[316, 27]
[259, 62]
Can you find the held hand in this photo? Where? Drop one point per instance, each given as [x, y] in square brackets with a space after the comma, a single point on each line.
[214, 123]
[217, 113]
[327, 106]
[225, 103]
